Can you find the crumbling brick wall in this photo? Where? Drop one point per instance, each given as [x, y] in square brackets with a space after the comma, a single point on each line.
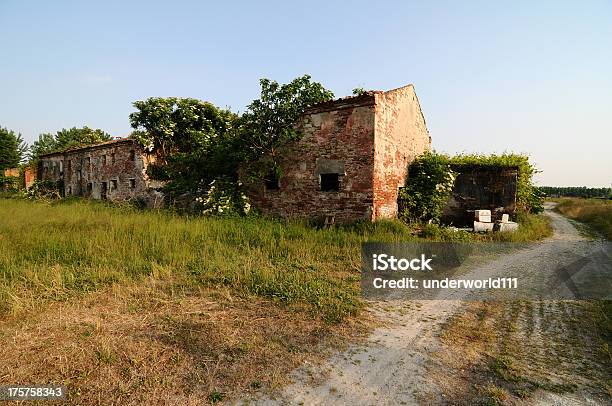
[114, 170]
[338, 138]
[401, 135]
[368, 141]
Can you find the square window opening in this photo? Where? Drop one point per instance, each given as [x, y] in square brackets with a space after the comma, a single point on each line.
[132, 183]
[272, 182]
[330, 182]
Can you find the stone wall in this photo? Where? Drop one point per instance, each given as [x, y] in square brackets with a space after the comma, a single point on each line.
[338, 139]
[401, 135]
[114, 170]
[481, 187]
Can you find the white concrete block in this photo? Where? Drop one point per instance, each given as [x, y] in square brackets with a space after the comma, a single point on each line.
[505, 218]
[481, 227]
[484, 219]
[509, 226]
[479, 213]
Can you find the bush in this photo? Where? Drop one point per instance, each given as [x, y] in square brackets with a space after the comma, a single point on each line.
[223, 197]
[44, 190]
[430, 184]
[9, 183]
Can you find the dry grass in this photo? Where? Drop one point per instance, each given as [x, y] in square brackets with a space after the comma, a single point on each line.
[597, 213]
[157, 343]
[502, 352]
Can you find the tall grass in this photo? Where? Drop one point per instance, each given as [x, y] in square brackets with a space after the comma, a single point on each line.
[53, 251]
[597, 213]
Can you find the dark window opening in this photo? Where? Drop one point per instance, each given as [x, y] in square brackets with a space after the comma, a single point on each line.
[113, 158]
[330, 182]
[103, 189]
[69, 190]
[113, 184]
[132, 155]
[69, 165]
[132, 183]
[103, 159]
[89, 188]
[272, 182]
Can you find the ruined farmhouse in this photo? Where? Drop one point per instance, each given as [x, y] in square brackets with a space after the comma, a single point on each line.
[349, 164]
[351, 160]
[113, 170]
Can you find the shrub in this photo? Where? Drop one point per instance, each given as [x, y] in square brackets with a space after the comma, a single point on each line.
[44, 190]
[430, 184]
[223, 197]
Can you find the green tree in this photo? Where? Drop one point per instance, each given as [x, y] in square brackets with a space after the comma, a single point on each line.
[77, 137]
[269, 122]
[12, 149]
[170, 125]
[67, 138]
[191, 137]
[43, 145]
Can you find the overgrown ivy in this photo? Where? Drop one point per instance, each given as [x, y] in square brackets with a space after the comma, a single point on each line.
[430, 184]
[431, 178]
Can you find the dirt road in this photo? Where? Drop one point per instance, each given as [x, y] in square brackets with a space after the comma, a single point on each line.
[407, 362]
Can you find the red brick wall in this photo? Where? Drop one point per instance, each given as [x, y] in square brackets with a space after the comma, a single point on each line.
[401, 135]
[339, 131]
[373, 138]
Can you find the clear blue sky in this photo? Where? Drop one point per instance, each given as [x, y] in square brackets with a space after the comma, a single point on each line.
[532, 77]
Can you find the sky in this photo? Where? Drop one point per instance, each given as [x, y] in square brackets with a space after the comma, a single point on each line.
[526, 77]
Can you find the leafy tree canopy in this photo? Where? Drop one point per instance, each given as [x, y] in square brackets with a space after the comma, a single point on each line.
[167, 125]
[269, 122]
[67, 138]
[193, 139]
[12, 149]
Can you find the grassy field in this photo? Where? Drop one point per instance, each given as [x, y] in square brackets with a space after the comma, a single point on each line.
[54, 251]
[128, 306]
[597, 213]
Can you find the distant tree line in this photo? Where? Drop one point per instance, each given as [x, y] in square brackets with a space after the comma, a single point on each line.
[576, 191]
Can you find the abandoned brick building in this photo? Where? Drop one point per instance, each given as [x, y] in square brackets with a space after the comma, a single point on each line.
[114, 170]
[349, 164]
[351, 160]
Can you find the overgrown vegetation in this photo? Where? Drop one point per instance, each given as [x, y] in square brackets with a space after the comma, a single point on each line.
[430, 184]
[432, 175]
[66, 138]
[200, 146]
[594, 212]
[54, 251]
[12, 149]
